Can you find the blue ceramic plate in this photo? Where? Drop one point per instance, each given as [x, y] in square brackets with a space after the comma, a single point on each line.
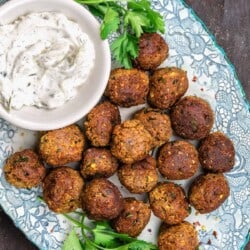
[191, 48]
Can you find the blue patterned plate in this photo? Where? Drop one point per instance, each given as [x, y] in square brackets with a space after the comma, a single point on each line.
[193, 49]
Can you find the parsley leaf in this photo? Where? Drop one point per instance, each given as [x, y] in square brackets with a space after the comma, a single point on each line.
[124, 49]
[101, 236]
[72, 242]
[128, 19]
[137, 20]
[110, 23]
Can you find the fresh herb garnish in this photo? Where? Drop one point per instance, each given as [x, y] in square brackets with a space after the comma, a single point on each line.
[100, 236]
[129, 19]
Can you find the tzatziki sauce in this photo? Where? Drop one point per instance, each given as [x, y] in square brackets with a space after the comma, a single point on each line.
[44, 58]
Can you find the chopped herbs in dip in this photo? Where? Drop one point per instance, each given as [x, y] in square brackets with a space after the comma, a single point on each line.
[44, 58]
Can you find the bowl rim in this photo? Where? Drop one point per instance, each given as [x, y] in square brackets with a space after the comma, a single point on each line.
[35, 125]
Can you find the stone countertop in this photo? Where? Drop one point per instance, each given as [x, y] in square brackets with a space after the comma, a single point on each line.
[229, 21]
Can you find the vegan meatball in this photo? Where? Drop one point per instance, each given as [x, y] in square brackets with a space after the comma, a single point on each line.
[216, 153]
[139, 177]
[62, 189]
[208, 192]
[178, 237]
[153, 50]
[100, 122]
[168, 202]
[24, 170]
[178, 160]
[127, 87]
[62, 146]
[131, 141]
[167, 86]
[133, 218]
[157, 123]
[192, 118]
[102, 200]
[98, 162]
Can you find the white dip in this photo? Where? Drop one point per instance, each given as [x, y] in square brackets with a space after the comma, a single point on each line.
[44, 57]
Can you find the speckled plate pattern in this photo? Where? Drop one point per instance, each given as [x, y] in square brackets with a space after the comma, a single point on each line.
[193, 49]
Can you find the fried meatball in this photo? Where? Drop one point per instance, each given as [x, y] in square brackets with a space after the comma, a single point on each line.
[62, 189]
[24, 170]
[192, 118]
[157, 123]
[139, 177]
[102, 200]
[167, 86]
[98, 162]
[216, 153]
[133, 218]
[178, 237]
[178, 160]
[208, 192]
[168, 202]
[127, 87]
[153, 50]
[100, 122]
[62, 146]
[131, 141]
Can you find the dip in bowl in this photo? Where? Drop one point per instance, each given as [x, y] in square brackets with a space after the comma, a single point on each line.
[54, 66]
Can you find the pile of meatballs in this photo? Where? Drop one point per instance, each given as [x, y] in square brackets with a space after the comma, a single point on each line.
[106, 146]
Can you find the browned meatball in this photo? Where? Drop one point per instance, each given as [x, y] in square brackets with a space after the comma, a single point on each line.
[133, 218]
[24, 170]
[208, 192]
[178, 160]
[62, 189]
[100, 122]
[216, 153]
[168, 202]
[131, 142]
[167, 86]
[192, 118]
[127, 87]
[61, 146]
[98, 162]
[102, 200]
[140, 177]
[178, 237]
[157, 123]
[153, 50]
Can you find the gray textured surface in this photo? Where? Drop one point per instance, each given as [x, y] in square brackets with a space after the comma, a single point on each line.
[229, 21]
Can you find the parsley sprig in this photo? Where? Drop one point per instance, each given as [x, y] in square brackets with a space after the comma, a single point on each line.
[128, 19]
[100, 236]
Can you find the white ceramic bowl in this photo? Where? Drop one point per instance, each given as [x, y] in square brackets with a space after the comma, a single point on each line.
[89, 94]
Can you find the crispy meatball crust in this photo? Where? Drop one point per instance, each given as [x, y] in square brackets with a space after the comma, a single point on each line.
[208, 192]
[139, 177]
[192, 118]
[168, 202]
[153, 50]
[62, 189]
[127, 87]
[217, 153]
[24, 170]
[178, 237]
[98, 162]
[131, 141]
[133, 218]
[62, 146]
[102, 200]
[157, 123]
[100, 123]
[178, 160]
[167, 86]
